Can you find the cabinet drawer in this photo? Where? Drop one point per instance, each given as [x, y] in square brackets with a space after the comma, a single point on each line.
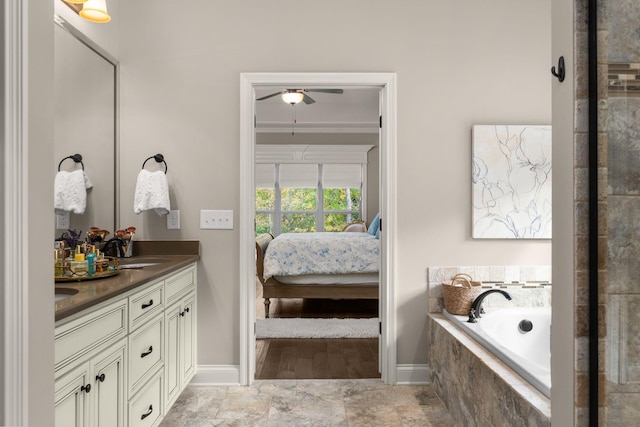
[78, 337]
[145, 352]
[145, 303]
[180, 283]
[145, 409]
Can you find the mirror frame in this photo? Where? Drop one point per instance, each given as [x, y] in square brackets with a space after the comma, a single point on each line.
[85, 40]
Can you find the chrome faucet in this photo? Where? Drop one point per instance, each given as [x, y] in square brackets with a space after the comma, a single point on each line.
[476, 307]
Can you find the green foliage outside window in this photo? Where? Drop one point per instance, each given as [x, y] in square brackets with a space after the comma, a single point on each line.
[264, 223]
[298, 223]
[265, 199]
[298, 199]
[299, 206]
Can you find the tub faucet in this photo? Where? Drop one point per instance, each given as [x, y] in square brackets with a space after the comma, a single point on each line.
[476, 307]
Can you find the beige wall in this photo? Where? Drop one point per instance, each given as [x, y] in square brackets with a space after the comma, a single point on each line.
[458, 64]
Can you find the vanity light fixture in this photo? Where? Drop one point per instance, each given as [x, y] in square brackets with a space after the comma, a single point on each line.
[95, 11]
[292, 97]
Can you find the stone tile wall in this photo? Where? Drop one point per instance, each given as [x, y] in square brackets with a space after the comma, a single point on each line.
[620, 286]
[529, 286]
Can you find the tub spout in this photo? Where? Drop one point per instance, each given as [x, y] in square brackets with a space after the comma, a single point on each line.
[476, 307]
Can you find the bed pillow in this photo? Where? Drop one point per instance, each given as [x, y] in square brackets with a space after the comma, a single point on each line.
[375, 225]
[378, 233]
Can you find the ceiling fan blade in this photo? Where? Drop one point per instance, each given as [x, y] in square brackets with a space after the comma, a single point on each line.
[270, 96]
[307, 99]
[325, 90]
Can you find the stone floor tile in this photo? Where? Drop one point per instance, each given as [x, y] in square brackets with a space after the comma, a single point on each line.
[313, 403]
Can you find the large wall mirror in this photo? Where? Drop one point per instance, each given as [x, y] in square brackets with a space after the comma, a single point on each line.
[86, 124]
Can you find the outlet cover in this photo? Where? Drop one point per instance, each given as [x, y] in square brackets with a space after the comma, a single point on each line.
[63, 222]
[173, 220]
[216, 220]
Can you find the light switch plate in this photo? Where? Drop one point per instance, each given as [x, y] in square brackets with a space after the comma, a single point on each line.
[173, 220]
[216, 220]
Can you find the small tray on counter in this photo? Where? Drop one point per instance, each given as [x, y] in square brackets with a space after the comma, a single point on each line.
[109, 265]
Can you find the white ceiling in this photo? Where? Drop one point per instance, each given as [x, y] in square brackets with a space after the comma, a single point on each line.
[355, 110]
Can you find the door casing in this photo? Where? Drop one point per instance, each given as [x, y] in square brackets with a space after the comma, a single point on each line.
[386, 82]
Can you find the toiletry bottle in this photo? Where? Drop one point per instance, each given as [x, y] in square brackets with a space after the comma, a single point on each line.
[79, 265]
[58, 263]
[91, 263]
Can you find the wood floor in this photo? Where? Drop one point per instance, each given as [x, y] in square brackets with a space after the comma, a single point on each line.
[316, 358]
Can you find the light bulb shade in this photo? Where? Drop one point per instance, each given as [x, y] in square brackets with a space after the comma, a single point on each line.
[292, 97]
[75, 1]
[95, 11]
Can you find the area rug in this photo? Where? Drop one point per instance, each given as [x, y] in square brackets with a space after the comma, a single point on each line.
[316, 328]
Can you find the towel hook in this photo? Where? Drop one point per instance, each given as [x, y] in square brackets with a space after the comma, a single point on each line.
[76, 158]
[158, 158]
[561, 70]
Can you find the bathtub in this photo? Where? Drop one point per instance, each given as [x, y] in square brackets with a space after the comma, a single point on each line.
[527, 353]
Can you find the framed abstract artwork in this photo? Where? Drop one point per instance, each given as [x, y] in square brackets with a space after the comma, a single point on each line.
[511, 182]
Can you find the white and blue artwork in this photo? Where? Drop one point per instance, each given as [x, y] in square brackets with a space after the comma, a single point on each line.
[511, 182]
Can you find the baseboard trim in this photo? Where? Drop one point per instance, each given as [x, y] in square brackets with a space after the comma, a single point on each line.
[222, 375]
[216, 375]
[412, 374]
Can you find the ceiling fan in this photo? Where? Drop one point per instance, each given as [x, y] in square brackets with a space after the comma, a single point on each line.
[294, 96]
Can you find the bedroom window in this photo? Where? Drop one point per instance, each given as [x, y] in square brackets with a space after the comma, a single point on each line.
[303, 198]
[341, 206]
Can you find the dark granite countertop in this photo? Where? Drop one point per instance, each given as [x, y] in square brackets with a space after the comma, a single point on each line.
[85, 294]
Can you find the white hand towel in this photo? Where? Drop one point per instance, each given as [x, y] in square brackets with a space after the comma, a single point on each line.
[70, 191]
[152, 192]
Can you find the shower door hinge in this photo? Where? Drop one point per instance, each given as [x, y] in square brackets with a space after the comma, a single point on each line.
[380, 226]
[380, 122]
[379, 328]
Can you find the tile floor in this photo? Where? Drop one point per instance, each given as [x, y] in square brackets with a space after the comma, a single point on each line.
[332, 403]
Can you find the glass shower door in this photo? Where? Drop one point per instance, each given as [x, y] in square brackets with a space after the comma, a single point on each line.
[619, 124]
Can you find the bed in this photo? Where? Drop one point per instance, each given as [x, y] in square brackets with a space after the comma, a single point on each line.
[318, 265]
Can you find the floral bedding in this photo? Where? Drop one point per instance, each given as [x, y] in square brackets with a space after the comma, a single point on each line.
[293, 254]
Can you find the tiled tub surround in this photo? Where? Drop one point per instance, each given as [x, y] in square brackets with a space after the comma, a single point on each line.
[477, 388]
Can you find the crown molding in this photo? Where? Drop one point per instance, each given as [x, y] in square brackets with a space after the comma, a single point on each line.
[326, 127]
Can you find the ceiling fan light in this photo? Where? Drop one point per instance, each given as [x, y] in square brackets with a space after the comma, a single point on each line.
[95, 11]
[292, 97]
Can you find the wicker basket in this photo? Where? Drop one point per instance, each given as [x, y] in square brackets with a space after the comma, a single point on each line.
[460, 293]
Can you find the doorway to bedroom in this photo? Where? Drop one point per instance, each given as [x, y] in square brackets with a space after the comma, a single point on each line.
[317, 194]
[311, 174]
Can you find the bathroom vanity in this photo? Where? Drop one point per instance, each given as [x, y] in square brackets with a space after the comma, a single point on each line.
[125, 346]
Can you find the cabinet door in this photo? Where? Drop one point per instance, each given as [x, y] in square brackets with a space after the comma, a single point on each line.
[188, 341]
[172, 354]
[109, 389]
[72, 398]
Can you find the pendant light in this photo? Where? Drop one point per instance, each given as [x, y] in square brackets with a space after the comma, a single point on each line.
[95, 11]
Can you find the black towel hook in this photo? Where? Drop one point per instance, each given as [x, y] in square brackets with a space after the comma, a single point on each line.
[158, 158]
[561, 71]
[76, 158]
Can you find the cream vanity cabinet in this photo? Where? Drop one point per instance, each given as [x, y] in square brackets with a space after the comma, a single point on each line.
[126, 360]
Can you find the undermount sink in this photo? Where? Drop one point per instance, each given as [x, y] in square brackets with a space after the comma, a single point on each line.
[62, 293]
[136, 265]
